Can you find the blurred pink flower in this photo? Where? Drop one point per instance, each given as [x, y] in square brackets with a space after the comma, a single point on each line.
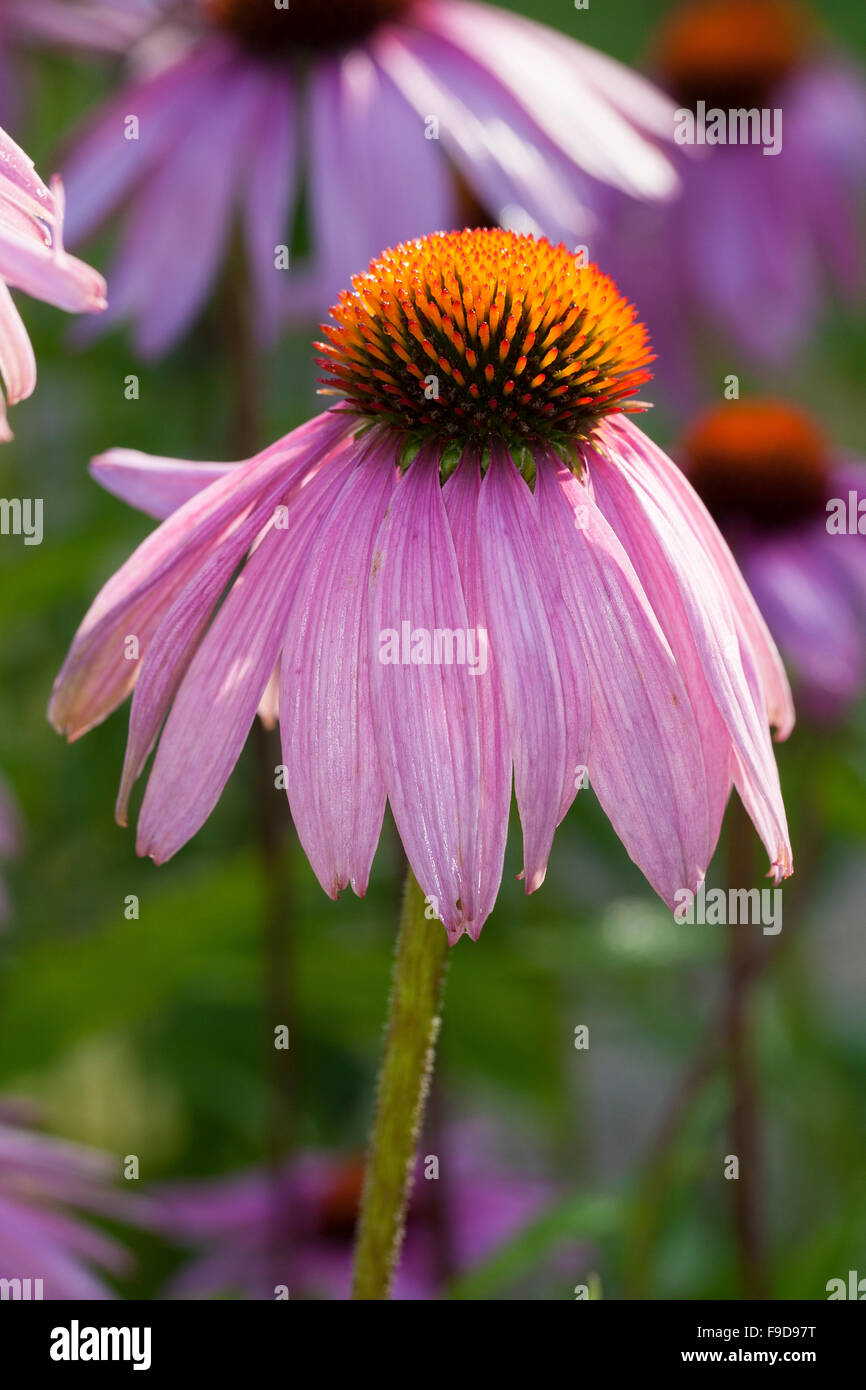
[794, 509]
[602, 621]
[370, 122]
[41, 1178]
[32, 259]
[257, 1231]
[756, 238]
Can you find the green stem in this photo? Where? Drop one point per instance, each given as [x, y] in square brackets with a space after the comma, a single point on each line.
[404, 1079]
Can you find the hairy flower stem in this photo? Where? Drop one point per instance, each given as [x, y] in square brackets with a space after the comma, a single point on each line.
[404, 1080]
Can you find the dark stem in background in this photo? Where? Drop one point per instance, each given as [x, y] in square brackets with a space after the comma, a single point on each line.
[743, 949]
[711, 1054]
[404, 1079]
[271, 814]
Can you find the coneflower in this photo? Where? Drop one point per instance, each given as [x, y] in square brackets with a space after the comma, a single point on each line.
[331, 130]
[793, 506]
[478, 489]
[768, 221]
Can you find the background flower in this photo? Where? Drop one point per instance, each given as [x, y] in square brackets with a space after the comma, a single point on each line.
[757, 240]
[41, 1179]
[770, 479]
[256, 1231]
[358, 126]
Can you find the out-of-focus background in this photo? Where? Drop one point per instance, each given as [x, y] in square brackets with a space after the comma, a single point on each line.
[152, 1035]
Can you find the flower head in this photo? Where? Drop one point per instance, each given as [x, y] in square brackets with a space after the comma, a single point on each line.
[40, 1180]
[772, 124]
[731, 52]
[358, 124]
[296, 1228]
[32, 259]
[511, 335]
[794, 509]
[562, 605]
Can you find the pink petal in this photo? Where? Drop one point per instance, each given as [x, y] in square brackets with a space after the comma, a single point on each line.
[546, 76]
[96, 676]
[335, 786]
[714, 606]
[188, 196]
[268, 205]
[157, 486]
[17, 362]
[226, 675]
[461, 493]
[541, 677]
[645, 759]
[614, 499]
[426, 715]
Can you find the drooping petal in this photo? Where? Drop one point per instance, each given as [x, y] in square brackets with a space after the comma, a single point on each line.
[97, 675]
[188, 195]
[268, 206]
[335, 786]
[524, 607]
[693, 514]
[614, 499]
[105, 164]
[17, 362]
[34, 260]
[645, 759]
[503, 157]
[425, 714]
[157, 486]
[362, 202]
[798, 583]
[545, 76]
[225, 672]
[461, 493]
[730, 663]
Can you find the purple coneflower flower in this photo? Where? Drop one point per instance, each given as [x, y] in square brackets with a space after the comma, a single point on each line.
[794, 510]
[360, 123]
[256, 1231]
[564, 602]
[32, 259]
[41, 1178]
[767, 217]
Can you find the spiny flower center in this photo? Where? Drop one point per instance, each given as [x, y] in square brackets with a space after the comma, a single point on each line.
[478, 333]
[731, 53]
[762, 462]
[269, 26]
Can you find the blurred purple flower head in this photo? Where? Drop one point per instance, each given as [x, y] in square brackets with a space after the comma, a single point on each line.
[32, 259]
[41, 1178]
[332, 130]
[259, 1231]
[768, 216]
[794, 509]
[563, 606]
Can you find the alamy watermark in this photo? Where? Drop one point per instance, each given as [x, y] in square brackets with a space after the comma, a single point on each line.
[846, 516]
[755, 907]
[737, 126]
[22, 516]
[438, 646]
